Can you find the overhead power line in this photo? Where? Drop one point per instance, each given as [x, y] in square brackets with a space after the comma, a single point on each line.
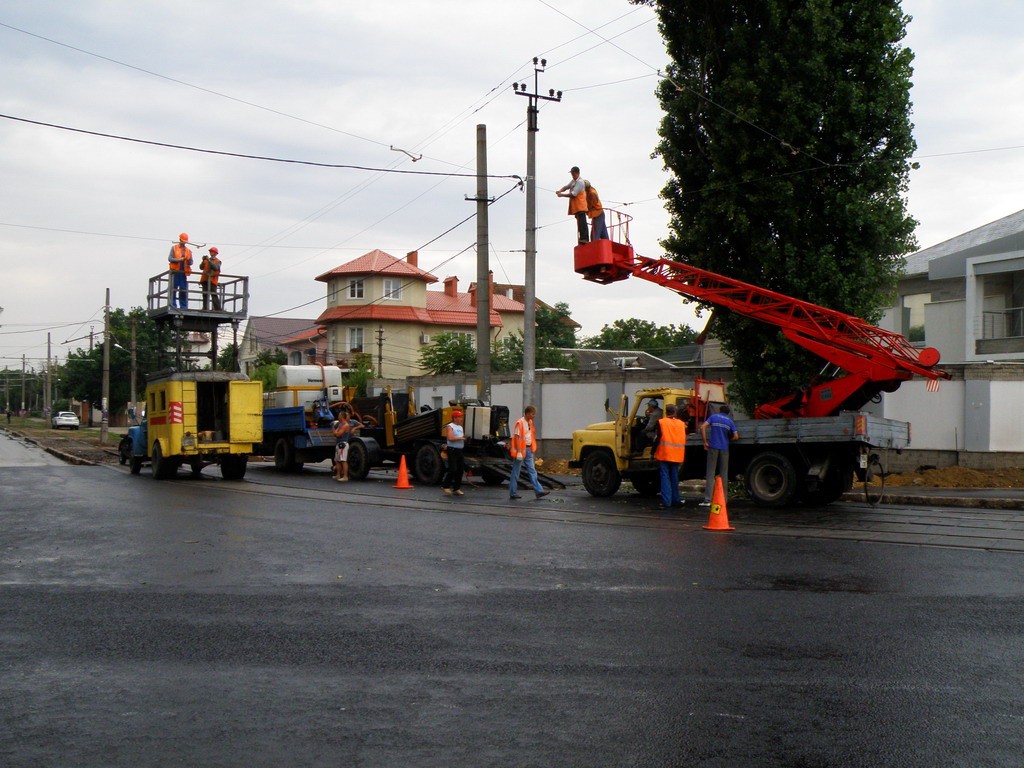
[245, 156]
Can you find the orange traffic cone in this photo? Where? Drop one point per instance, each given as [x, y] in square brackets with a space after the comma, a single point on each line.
[403, 476]
[718, 520]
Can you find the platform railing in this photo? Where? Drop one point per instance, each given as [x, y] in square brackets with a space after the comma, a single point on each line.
[232, 292]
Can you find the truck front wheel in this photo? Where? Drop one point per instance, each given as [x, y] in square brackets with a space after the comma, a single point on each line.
[163, 468]
[771, 480]
[600, 475]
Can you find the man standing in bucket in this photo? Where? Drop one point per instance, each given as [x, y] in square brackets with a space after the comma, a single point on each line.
[524, 445]
[179, 262]
[576, 191]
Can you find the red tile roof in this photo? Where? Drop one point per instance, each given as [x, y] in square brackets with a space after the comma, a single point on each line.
[377, 262]
[305, 336]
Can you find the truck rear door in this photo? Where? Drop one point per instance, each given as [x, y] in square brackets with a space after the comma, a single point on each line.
[245, 406]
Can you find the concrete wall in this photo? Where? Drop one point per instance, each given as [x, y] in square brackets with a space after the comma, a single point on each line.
[973, 420]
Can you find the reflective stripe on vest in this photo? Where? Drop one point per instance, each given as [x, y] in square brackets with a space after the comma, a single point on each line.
[519, 431]
[672, 444]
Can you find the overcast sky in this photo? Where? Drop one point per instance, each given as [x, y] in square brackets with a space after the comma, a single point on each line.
[345, 83]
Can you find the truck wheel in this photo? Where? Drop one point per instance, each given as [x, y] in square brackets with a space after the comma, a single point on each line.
[646, 484]
[197, 467]
[491, 477]
[358, 460]
[600, 475]
[836, 482]
[284, 456]
[233, 465]
[771, 480]
[163, 469]
[124, 451]
[135, 465]
[428, 465]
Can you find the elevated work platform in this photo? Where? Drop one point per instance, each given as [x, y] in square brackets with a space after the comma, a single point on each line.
[187, 312]
[193, 311]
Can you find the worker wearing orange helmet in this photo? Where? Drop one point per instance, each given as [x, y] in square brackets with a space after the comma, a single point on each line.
[576, 191]
[210, 267]
[180, 264]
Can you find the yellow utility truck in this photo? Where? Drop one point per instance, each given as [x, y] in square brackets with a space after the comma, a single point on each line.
[198, 418]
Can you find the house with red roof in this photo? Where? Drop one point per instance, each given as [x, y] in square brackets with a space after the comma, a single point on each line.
[380, 305]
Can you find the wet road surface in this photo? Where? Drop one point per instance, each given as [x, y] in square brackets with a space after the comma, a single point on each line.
[289, 620]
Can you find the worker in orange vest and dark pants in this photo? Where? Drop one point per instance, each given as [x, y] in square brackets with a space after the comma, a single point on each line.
[576, 191]
[180, 264]
[670, 453]
[210, 267]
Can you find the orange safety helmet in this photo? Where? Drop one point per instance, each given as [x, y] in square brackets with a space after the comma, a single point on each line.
[214, 250]
[183, 237]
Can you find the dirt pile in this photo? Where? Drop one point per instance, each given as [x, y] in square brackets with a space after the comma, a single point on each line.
[959, 477]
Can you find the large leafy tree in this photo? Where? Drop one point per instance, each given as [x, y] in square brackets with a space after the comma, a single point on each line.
[507, 355]
[554, 327]
[788, 136]
[81, 376]
[449, 352]
[642, 335]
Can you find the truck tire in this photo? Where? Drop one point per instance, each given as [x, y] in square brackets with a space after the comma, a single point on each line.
[124, 451]
[135, 465]
[359, 462]
[771, 480]
[647, 484]
[284, 456]
[163, 469]
[600, 475]
[837, 481]
[233, 466]
[428, 465]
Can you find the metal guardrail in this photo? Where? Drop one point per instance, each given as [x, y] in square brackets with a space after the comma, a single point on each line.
[232, 291]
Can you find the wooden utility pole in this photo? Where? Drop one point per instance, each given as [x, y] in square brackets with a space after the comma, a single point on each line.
[380, 352]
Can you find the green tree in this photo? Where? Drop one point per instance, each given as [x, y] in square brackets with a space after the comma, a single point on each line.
[642, 335]
[448, 353]
[507, 355]
[788, 136]
[270, 357]
[81, 376]
[227, 358]
[361, 371]
[554, 327]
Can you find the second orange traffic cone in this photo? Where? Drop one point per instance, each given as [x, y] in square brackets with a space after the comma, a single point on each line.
[718, 520]
[403, 476]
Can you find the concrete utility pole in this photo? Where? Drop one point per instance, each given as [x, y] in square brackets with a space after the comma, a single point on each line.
[48, 397]
[133, 373]
[105, 388]
[530, 298]
[483, 272]
[380, 352]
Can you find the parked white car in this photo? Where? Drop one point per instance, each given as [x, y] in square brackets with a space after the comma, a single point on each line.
[64, 419]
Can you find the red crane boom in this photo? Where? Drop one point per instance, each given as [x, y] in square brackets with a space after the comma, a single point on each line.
[874, 360]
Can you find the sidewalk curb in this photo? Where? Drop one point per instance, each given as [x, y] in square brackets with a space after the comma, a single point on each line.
[939, 501]
[67, 458]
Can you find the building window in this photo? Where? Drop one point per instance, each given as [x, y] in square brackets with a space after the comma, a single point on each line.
[355, 289]
[355, 339]
[392, 289]
[465, 335]
[913, 315]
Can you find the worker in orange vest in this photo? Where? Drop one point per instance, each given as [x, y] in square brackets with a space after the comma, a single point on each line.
[598, 228]
[180, 265]
[210, 267]
[670, 453]
[576, 191]
[522, 448]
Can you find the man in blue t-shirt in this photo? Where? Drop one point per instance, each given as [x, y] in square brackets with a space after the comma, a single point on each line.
[717, 431]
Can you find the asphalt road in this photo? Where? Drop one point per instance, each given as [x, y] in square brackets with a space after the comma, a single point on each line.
[293, 621]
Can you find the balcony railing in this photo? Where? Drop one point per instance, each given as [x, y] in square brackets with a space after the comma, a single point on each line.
[1002, 323]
